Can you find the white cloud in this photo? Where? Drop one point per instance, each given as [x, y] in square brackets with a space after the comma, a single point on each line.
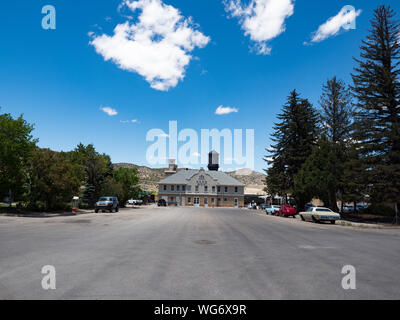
[157, 46]
[262, 20]
[333, 25]
[110, 111]
[221, 110]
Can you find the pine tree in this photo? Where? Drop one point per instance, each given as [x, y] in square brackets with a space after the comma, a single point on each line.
[294, 137]
[318, 177]
[336, 104]
[377, 122]
[336, 116]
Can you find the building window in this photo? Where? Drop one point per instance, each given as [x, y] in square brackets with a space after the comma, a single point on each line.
[219, 199]
[226, 189]
[165, 187]
[189, 188]
[219, 189]
[189, 200]
[212, 200]
[172, 188]
[197, 189]
[178, 188]
[225, 199]
[183, 188]
[213, 189]
[236, 189]
[205, 189]
[172, 198]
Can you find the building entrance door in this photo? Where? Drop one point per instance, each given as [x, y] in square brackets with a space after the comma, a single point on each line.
[236, 202]
[183, 201]
[196, 201]
[206, 202]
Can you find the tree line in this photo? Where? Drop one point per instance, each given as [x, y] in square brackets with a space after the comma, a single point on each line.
[41, 179]
[349, 149]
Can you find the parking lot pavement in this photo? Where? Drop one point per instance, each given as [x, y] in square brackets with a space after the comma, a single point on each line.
[193, 253]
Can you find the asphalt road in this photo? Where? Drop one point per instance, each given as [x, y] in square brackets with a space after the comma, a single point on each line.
[194, 253]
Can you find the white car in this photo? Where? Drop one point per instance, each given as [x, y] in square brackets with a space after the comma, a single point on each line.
[133, 201]
[272, 209]
[319, 214]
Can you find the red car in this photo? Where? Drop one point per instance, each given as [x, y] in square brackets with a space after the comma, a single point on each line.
[287, 211]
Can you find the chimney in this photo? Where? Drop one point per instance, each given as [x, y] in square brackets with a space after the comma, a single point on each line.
[172, 168]
[213, 161]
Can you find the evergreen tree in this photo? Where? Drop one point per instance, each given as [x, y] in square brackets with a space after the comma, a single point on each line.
[293, 138]
[336, 116]
[336, 104]
[377, 122]
[318, 177]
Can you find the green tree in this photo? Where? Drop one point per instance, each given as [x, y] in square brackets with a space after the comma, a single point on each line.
[319, 175]
[337, 107]
[294, 137]
[129, 180]
[336, 116]
[16, 146]
[52, 180]
[377, 121]
[95, 168]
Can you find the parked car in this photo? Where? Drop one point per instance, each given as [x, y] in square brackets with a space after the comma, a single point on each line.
[348, 209]
[161, 203]
[361, 207]
[309, 205]
[107, 203]
[133, 202]
[319, 214]
[287, 211]
[272, 209]
[263, 206]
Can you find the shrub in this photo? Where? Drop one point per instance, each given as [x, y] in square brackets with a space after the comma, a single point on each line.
[380, 210]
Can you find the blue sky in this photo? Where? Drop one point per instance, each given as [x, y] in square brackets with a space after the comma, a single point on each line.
[59, 82]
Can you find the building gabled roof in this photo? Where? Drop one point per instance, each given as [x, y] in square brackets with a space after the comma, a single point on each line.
[183, 176]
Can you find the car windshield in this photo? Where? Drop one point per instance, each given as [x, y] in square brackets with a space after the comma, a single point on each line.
[310, 209]
[105, 199]
[324, 210]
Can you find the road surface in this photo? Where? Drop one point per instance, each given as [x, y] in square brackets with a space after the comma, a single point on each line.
[194, 253]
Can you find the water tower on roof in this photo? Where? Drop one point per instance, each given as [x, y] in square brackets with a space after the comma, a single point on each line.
[213, 161]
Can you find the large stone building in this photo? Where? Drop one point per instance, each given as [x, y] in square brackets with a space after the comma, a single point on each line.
[212, 188]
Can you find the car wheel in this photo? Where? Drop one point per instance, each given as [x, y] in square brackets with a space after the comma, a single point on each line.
[97, 211]
[302, 218]
[117, 209]
[314, 220]
[333, 222]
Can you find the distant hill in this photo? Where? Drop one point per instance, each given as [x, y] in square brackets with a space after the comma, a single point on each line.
[149, 177]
